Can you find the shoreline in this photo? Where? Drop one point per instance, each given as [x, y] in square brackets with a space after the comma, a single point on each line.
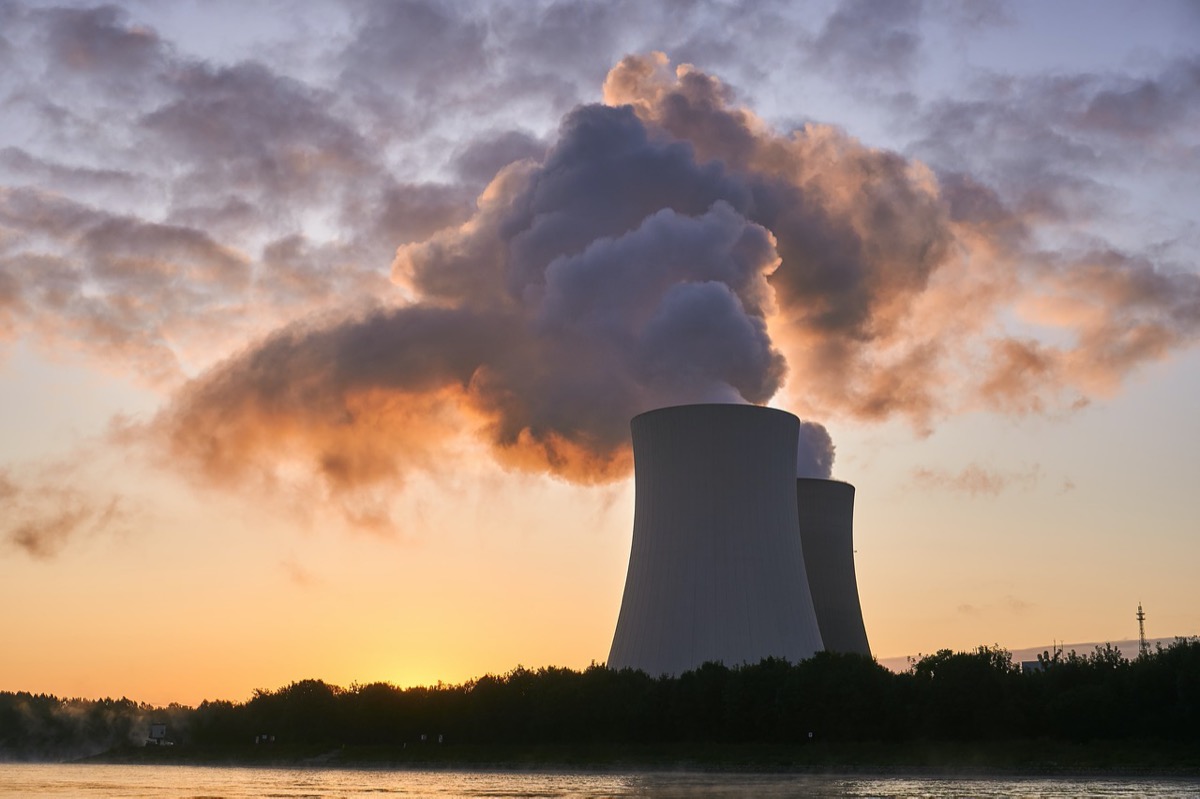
[1005, 760]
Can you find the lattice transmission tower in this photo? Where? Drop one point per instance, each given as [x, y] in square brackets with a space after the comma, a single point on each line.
[1143, 647]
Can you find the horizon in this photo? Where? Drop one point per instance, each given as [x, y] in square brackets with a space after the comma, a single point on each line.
[897, 664]
[320, 333]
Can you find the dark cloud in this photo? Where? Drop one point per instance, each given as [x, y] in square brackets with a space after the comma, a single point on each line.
[973, 15]
[229, 216]
[249, 129]
[359, 400]
[1042, 173]
[60, 176]
[665, 250]
[1049, 143]
[113, 284]
[566, 47]
[399, 213]
[893, 277]
[577, 36]
[247, 160]
[671, 246]
[412, 65]
[860, 231]
[479, 161]
[1146, 109]
[879, 38]
[7, 51]
[416, 45]
[99, 44]
[603, 179]
[608, 280]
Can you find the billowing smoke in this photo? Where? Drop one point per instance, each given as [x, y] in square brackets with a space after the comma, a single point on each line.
[670, 248]
[814, 452]
[895, 281]
[616, 276]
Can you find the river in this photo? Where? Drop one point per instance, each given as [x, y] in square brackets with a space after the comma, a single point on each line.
[188, 782]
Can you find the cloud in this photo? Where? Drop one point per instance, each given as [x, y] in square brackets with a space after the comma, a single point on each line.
[48, 173]
[195, 192]
[1122, 311]
[1145, 109]
[247, 129]
[610, 279]
[895, 279]
[299, 575]
[480, 160]
[1016, 605]
[1008, 604]
[976, 480]
[541, 335]
[671, 247]
[110, 284]
[874, 37]
[1056, 146]
[418, 45]
[40, 513]
[99, 44]
[228, 227]
[861, 233]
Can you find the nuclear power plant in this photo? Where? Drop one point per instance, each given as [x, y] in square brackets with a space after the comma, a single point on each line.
[722, 529]
[826, 511]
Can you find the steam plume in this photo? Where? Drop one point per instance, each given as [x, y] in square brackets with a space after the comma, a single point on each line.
[668, 248]
[814, 453]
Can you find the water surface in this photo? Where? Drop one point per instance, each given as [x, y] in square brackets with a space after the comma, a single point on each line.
[192, 782]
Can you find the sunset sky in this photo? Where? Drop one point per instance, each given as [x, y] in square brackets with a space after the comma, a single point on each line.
[321, 324]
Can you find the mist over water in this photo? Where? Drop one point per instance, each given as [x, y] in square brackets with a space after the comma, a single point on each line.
[155, 782]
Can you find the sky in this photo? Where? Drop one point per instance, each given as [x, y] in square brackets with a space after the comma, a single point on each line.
[321, 324]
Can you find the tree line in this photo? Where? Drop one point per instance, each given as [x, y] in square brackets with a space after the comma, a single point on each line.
[979, 695]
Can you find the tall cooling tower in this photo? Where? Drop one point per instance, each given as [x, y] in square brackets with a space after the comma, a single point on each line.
[716, 570]
[826, 509]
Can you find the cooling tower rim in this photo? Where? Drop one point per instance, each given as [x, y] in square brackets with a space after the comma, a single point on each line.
[748, 406]
[824, 480]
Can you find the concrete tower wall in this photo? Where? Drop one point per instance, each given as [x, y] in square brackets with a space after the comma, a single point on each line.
[826, 512]
[716, 571]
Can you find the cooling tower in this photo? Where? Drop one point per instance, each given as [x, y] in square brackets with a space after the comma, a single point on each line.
[826, 509]
[716, 571]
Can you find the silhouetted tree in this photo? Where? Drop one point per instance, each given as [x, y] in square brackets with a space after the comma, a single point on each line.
[976, 695]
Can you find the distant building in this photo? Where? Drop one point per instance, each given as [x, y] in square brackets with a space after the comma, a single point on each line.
[158, 735]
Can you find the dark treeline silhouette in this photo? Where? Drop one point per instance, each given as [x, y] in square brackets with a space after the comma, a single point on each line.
[948, 696]
[44, 727]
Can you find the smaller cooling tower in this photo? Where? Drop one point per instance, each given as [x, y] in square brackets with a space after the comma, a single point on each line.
[716, 571]
[826, 510]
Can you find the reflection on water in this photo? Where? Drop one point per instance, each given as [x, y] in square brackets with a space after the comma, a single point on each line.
[183, 782]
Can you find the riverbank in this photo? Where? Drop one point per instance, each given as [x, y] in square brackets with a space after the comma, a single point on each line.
[1012, 758]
